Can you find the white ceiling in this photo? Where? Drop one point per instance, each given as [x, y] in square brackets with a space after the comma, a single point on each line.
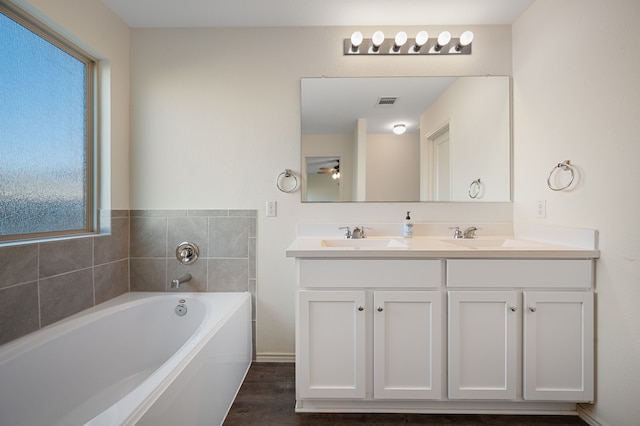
[286, 13]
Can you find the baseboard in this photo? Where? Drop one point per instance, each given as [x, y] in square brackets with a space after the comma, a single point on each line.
[586, 415]
[275, 357]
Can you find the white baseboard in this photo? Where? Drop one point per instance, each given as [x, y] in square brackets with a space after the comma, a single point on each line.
[275, 357]
[585, 414]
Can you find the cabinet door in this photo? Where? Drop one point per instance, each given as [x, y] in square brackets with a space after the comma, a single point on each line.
[482, 344]
[558, 346]
[330, 359]
[407, 345]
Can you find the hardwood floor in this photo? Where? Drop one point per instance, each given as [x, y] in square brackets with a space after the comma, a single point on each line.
[267, 397]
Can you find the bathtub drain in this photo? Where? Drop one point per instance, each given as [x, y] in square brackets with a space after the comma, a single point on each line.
[181, 309]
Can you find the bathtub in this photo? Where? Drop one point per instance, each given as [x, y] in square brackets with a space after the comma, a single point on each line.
[131, 360]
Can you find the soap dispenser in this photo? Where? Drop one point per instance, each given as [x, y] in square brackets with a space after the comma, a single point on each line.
[407, 229]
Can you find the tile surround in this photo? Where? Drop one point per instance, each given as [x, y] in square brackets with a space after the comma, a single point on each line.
[226, 240]
[44, 282]
[41, 283]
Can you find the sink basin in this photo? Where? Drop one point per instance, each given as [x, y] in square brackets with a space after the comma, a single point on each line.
[364, 243]
[475, 243]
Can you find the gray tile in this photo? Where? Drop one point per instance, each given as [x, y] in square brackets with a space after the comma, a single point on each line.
[148, 237]
[243, 213]
[252, 258]
[114, 246]
[252, 227]
[187, 229]
[18, 311]
[158, 213]
[148, 274]
[18, 264]
[228, 275]
[65, 295]
[111, 280]
[198, 271]
[59, 257]
[208, 212]
[228, 237]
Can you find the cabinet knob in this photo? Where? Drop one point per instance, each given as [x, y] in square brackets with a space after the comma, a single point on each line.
[532, 308]
[380, 309]
[361, 308]
[513, 308]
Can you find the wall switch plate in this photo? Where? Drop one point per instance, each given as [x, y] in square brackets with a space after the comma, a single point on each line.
[541, 209]
[272, 208]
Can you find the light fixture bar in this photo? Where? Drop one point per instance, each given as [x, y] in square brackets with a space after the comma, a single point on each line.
[390, 46]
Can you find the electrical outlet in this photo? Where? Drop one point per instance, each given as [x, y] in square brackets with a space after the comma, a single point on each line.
[541, 209]
[272, 208]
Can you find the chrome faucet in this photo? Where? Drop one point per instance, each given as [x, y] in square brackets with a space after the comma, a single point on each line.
[180, 280]
[470, 232]
[357, 233]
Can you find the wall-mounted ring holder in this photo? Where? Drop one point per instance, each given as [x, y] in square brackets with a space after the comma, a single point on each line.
[565, 166]
[187, 253]
[287, 181]
[475, 188]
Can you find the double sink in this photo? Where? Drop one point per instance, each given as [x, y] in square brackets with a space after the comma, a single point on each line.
[398, 243]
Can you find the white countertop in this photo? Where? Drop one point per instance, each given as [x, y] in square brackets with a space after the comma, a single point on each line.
[482, 247]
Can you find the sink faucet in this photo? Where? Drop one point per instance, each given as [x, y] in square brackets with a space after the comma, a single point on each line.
[180, 280]
[357, 233]
[470, 232]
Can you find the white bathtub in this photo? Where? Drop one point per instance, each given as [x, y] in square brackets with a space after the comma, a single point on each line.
[131, 360]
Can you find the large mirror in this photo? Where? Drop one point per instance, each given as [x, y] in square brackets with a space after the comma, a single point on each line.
[455, 147]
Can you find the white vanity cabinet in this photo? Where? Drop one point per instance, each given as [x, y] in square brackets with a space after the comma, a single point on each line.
[429, 326]
[542, 339]
[373, 333]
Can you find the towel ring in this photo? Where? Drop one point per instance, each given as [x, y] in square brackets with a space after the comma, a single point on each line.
[475, 188]
[564, 166]
[287, 181]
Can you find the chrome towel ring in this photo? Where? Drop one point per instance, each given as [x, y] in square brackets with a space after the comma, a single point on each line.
[475, 188]
[287, 181]
[565, 166]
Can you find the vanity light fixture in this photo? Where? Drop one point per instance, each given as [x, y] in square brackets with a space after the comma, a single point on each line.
[401, 44]
[399, 129]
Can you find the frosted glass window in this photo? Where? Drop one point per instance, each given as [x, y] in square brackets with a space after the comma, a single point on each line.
[45, 144]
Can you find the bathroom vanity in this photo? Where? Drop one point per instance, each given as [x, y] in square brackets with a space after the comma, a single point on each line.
[433, 324]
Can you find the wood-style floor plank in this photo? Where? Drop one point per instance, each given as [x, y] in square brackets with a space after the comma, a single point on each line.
[267, 397]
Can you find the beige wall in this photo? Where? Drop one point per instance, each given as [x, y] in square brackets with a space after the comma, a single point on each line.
[216, 118]
[576, 94]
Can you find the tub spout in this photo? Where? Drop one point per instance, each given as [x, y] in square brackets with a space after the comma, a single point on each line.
[180, 280]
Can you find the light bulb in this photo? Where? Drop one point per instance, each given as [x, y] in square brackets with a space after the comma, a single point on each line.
[421, 39]
[356, 41]
[400, 40]
[377, 39]
[465, 39]
[443, 39]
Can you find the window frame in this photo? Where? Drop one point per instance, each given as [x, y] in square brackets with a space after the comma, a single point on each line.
[49, 35]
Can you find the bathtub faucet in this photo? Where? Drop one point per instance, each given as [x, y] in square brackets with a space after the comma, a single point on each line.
[180, 280]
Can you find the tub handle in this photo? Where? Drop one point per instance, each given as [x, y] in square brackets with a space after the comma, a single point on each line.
[187, 253]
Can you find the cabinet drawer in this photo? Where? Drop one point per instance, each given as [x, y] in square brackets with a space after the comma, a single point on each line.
[538, 273]
[370, 273]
